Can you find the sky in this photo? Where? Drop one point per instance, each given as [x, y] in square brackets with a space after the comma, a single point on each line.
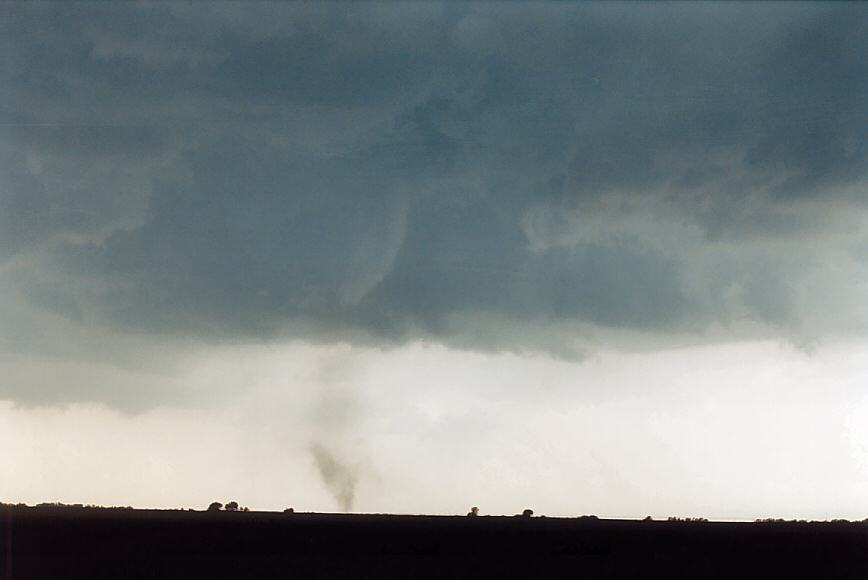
[594, 258]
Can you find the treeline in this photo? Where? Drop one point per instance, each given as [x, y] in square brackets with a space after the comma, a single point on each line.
[783, 521]
[61, 505]
[233, 506]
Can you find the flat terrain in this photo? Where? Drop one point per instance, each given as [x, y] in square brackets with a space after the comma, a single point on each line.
[55, 543]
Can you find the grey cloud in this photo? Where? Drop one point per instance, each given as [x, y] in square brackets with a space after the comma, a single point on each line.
[490, 177]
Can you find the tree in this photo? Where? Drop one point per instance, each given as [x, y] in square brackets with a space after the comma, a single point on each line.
[474, 511]
[215, 507]
[232, 506]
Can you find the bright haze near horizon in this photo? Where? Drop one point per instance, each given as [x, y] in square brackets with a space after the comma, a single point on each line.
[593, 258]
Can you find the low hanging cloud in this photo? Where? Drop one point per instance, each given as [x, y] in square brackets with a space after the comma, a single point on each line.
[490, 177]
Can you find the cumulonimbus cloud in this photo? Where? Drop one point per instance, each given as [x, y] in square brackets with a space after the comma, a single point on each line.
[488, 177]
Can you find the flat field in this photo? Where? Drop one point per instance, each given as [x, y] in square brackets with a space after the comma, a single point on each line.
[63, 543]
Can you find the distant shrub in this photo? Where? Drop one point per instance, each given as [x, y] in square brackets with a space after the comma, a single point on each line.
[232, 506]
[58, 504]
[215, 506]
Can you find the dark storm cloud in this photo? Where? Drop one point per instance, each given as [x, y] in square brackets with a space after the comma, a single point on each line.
[491, 177]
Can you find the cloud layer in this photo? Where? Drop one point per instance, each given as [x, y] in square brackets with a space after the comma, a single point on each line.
[493, 177]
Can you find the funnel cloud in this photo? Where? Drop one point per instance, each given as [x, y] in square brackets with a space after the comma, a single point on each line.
[339, 477]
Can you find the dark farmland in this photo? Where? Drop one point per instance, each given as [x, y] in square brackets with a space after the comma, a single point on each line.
[53, 543]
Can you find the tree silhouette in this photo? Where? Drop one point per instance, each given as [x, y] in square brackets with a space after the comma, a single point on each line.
[215, 507]
[232, 506]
